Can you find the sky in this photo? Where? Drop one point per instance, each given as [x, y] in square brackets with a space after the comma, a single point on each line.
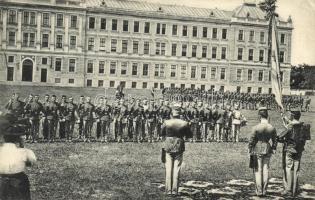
[302, 13]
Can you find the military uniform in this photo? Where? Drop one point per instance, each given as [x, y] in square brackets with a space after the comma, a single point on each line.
[70, 117]
[174, 130]
[122, 132]
[105, 122]
[219, 125]
[62, 113]
[15, 107]
[79, 122]
[34, 110]
[227, 121]
[43, 127]
[138, 120]
[150, 116]
[192, 115]
[260, 147]
[294, 141]
[52, 117]
[87, 117]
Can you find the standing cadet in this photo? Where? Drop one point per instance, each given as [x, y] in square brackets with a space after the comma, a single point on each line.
[105, 121]
[71, 117]
[34, 109]
[227, 121]
[137, 116]
[115, 114]
[307, 104]
[219, 123]
[261, 150]
[26, 114]
[122, 121]
[52, 117]
[62, 112]
[15, 106]
[159, 122]
[200, 116]
[80, 115]
[294, 139]
[87, 117]
[174, 130]
[130, 105]
[43, 128]
[96, 122]
[192, 113]
[150, 116]
[205, 123]
[237, 118]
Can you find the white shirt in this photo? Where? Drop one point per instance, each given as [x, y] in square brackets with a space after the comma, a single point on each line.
[13, 159]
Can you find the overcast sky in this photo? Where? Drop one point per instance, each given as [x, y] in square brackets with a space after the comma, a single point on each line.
[301, 11]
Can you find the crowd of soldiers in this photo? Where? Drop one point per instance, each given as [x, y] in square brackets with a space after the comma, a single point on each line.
[121, 120]
[249, 101]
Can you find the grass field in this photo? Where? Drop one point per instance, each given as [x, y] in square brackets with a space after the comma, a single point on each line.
[127, 171]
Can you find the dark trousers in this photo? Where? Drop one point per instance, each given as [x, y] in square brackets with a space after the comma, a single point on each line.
[14, 187]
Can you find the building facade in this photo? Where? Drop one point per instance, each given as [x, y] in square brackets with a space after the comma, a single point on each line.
[104, 43]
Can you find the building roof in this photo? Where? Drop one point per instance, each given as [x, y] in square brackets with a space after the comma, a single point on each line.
[249, 10]
[246, 10]
[174, 10]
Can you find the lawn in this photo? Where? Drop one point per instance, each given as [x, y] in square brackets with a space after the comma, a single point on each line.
[133, 171]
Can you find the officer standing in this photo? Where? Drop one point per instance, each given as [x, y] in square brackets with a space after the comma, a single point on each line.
[79, 122]
[62, 112]
[43, 128]
[15, 106]
[237, 118]
[192, 113]
[261, 150]
[294, 139]
[34, 109]
[70, 117]
[137, 116]
[105, 121]
[122, 121]
[174, 130]
[150, 115]
[87, 117]
[52, 117]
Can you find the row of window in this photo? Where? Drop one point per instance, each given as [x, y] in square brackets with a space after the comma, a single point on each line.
[161, 28]
[89, 83]
[160, 47]
[159, 70]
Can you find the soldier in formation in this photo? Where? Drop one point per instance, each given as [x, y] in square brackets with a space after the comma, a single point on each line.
[137, 120]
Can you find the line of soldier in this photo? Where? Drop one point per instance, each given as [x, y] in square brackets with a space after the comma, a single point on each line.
[248, 101]
[137, 119]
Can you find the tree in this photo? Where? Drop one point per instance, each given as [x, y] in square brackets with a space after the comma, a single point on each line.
[302, 77]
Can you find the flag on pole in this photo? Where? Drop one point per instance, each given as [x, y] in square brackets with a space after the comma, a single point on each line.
[275, 65]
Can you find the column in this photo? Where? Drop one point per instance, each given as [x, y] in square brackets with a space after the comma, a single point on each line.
[38, 30]
[52, 31]
[19, 33]
[66, 39]
[4, 29]
[79, 45]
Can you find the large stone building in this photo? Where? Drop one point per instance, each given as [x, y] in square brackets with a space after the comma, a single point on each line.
[103, 43]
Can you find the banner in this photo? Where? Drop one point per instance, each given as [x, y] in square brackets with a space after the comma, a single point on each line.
[275, 65]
